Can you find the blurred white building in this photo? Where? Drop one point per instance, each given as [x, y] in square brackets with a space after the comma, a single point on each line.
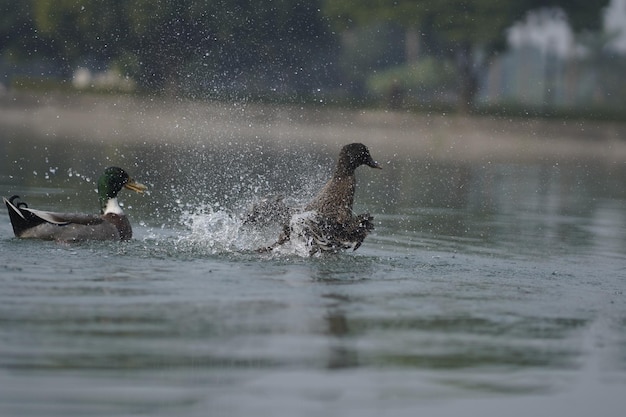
[546, 30]
[615, 24]
[546, 66]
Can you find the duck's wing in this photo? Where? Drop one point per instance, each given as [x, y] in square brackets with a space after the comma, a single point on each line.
[66, 218]
[329, 235]
[326, 235]
[360, 227]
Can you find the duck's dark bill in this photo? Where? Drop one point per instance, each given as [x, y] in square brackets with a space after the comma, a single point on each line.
[374, 164]
[135, 186]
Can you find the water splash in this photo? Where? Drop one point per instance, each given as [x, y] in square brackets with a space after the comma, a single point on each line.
[217, 231]
[208, 204]
[211, 231]
[74, 173]
[300, 243]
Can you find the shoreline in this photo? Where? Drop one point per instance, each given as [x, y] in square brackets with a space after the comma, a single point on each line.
[120, 119]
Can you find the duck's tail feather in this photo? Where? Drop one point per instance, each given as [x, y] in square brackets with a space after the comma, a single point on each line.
[21, 219]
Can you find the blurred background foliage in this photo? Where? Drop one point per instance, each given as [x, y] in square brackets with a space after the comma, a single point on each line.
[402, 53]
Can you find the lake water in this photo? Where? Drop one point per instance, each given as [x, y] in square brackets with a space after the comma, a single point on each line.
[490, 286]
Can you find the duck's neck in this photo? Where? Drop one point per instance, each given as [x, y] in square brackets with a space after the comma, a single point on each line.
[112, 206]
[343, 170]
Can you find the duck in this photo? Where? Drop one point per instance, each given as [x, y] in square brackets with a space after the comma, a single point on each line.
[327, 222]
[110, 224]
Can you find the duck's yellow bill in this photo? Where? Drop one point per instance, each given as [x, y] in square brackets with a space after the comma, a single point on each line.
[135, 186]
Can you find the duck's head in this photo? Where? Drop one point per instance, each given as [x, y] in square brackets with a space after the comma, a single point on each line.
[111, 183]
[353, 156]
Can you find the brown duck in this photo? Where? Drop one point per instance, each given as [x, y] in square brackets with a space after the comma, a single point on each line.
[332, 226]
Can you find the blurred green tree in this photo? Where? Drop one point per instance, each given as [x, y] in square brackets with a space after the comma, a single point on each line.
[470, 30]
[156, 40]
[80, 29]
[19, 39]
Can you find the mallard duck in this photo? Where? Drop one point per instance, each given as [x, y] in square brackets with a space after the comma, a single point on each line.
[329, 223]
[110, 224]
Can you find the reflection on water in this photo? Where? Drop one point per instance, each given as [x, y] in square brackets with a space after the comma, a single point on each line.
[481, 279]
